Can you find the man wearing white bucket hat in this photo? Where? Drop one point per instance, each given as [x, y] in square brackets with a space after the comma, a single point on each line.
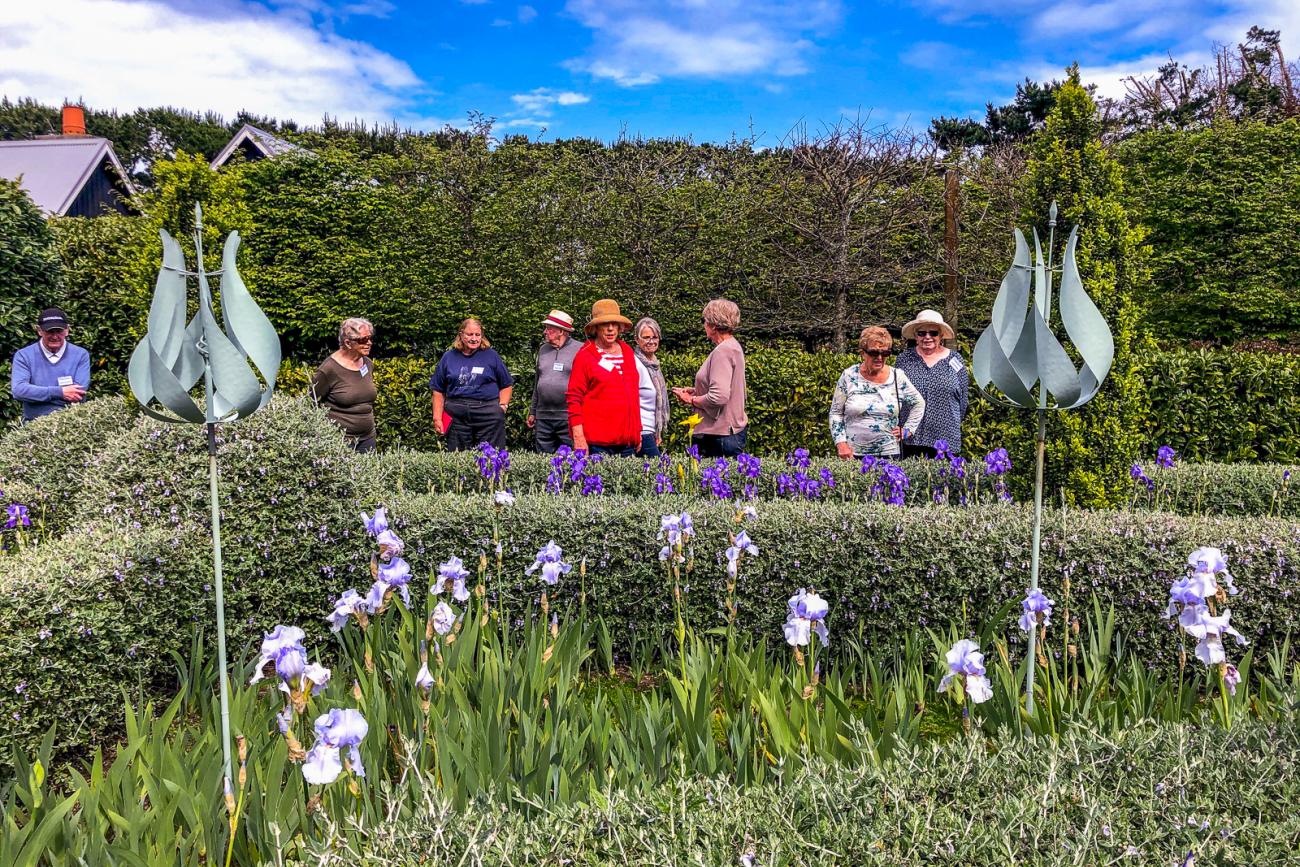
[940, 374]
[548, 414]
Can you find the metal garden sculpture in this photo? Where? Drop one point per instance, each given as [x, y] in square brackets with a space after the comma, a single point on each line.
[1019, 356]
[172, 358]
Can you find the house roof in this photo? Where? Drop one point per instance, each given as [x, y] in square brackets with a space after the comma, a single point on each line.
[53, 170]
[263, 142]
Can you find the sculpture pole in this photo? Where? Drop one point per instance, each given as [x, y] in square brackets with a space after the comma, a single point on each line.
[1019, 356]
[173, 356]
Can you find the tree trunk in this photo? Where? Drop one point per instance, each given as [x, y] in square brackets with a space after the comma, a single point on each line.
[951, 294]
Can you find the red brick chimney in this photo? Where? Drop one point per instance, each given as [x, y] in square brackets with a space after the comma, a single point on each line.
[74, 120]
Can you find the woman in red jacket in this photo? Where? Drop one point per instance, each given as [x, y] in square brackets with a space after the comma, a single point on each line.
[604, 411]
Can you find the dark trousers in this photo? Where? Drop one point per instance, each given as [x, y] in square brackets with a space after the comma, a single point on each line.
[721, 445]
[615, 451]
[551, 433]
[911, 451]
[649, 448]
[474, 422]
[361, 445]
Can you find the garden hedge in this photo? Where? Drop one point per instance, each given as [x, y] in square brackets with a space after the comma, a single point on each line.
[1152, 795]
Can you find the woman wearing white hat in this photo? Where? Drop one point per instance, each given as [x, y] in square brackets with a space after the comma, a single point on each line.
[940, 374]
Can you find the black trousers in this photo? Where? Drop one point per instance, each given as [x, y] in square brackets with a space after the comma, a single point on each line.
[911, 451]
[474, 422]
[721, 445]
[551, 433]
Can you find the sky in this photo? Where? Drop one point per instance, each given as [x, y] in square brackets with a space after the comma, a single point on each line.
[706, 70]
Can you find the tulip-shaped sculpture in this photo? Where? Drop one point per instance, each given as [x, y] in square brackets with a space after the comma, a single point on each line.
[172, 358]
[1020, 357]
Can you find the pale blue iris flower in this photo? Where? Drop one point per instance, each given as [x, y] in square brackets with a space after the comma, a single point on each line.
[452, 571]
[377, 523]
[806, 616]
[276, 642]
[348, 605]
[444, 618]
[1037, 610]
[966, 662]
[549, 560]
[322, 766]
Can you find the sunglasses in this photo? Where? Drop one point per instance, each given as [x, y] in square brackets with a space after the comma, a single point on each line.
[363, 341]
[920, 333]
[878, 353]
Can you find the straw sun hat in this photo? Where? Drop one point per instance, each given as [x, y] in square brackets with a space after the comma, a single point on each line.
[603, 311]
[931, 318]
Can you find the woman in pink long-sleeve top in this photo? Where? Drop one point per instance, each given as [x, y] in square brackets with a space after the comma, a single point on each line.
[719, 391]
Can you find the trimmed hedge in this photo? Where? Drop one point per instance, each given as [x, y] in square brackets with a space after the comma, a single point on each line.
[886, 572]
[1149, 796]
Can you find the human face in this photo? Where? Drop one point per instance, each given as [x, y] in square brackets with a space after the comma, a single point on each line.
[873, 360]
[927, 338]
[362, 342]
[53, 339]
[648, 341]
[607, 333]
[554, 336]
[472, 337]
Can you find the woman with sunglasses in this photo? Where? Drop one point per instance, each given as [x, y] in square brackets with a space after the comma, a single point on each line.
[869, 400]
[940, 375]
[344, 384]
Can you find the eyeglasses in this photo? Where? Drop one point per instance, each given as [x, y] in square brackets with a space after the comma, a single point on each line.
[55, 331]
[920, 333]
[650, 339]
[362, 341]
[878, 353]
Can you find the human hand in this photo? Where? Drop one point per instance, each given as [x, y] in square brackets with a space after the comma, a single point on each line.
[530, 421]
[73, 393]
[685, 395]
[844, 450]
[898, 433]
[580, 442]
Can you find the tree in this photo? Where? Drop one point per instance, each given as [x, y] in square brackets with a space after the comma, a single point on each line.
[850, 199]
[1013, 122]
[30, 272]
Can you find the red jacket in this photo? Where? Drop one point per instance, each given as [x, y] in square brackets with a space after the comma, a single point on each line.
[605, 402]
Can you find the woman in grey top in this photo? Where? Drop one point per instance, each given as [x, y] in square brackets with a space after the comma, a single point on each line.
[654, 401]
[344, 384]
[941, 376]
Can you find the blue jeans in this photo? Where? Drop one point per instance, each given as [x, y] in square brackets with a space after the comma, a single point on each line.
[649, 448]
[721, 445]
[615, 451]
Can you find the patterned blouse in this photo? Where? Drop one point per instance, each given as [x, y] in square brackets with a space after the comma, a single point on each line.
[863, 413]
[946, 388]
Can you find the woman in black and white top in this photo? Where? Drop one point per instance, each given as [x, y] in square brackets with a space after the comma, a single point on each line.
[940, 374]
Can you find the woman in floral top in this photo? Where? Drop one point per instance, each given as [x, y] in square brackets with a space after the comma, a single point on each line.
[868, 397]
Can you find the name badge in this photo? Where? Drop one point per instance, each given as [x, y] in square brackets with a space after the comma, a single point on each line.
[559, 365]
[476, 370]
[65, 381]
[365, 368]
[955, 365]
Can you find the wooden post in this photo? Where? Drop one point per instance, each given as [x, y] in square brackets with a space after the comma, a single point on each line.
[950, 294]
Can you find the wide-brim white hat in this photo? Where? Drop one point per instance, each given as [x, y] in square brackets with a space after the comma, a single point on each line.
[927, 317]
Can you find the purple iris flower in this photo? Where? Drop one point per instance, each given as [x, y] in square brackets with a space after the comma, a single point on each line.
[997, 463]
[1135, 472]
[394, 575]
[1165, 457]
[1037, 609]
[713, 479]
[1231, 678]
[941, 452]
[18, 516]
[663, 484]
[390, 544]
[693, 452]
[957, 466]
[592, 485]
[798, 459]
[749, 466]
[290, 662]
[827, 477]
[423, 679]
[492, 462]
[274, 643]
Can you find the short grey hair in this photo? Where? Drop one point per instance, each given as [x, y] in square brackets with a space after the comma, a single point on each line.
[351, 329]
[722, 314]
[644, 322]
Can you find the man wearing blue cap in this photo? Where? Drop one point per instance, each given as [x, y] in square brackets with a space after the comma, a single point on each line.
[50, 373]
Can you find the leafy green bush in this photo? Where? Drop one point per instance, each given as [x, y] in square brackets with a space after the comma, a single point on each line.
[1086, 799]
[53, 454]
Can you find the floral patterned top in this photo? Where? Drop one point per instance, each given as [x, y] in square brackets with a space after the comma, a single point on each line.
[946, 387]
[863, 413]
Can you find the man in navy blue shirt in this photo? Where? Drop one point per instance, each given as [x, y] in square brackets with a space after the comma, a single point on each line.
[50, 373]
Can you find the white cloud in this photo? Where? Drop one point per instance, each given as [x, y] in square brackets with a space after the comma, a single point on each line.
[932, 56]
[501, 22]
[526, 14]
[239, 57]
[542, 100]
[642, 41]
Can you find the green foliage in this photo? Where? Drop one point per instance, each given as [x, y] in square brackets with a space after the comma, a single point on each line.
[29, 267]
[1222, 207]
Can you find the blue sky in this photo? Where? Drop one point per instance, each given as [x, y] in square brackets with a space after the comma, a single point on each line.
[706, 69]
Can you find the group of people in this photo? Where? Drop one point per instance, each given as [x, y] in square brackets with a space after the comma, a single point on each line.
[602, 394]
[606, 396]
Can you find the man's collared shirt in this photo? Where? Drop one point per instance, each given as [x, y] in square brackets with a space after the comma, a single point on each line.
[53, 357]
